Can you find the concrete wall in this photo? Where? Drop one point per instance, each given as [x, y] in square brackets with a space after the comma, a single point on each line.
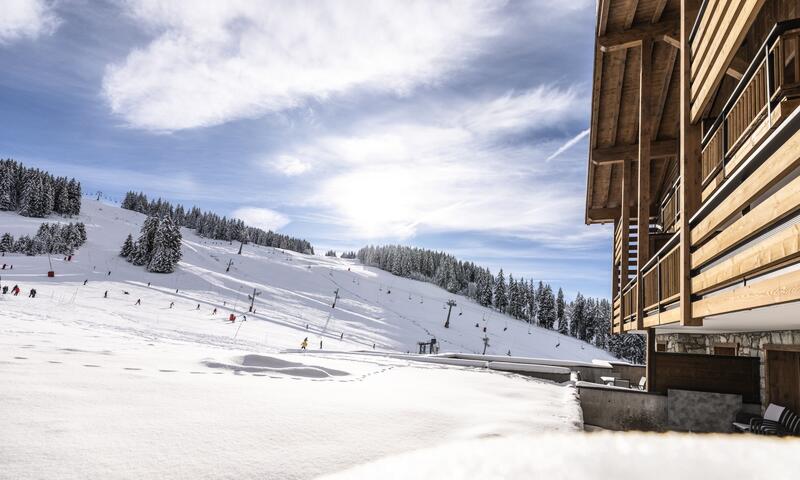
[621, 408]
[624, 409]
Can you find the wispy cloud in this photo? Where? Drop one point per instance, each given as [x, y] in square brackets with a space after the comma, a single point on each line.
[26, 19]
[563, 148]
[261, 217]
[211, 62]
[395, 177]
[290, 166]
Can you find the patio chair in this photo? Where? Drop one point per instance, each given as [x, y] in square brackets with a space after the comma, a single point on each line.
[777, 420]
[642, 383]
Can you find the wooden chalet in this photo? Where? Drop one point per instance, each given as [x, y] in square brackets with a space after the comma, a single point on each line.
[694, 159]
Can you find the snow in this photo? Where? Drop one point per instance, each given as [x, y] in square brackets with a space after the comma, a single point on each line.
[628, 456]
[96, 387]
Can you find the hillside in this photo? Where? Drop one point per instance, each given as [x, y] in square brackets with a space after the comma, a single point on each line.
[374, 308]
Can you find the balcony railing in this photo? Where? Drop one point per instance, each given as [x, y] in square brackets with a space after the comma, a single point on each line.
[773, 75]
[630, 302]
[661, 277]
[669, 211]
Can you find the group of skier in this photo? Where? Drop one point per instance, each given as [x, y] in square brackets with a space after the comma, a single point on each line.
[15, 291]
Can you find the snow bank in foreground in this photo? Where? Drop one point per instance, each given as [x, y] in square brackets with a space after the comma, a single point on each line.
[620, 456]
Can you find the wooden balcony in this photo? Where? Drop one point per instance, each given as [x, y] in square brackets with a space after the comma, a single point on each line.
[669, 210]
[630, 305]
[764, 97]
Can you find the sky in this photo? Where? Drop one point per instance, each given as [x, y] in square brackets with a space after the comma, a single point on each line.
[453, 125]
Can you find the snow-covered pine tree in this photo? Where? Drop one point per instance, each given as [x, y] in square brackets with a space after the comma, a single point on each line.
[500, 295]
[578, 315]
[167, 247]
[143, 250]
[547, 308]
[561, 317]
[6, 243]
[7, 185]
[73, 197]
[127, 247]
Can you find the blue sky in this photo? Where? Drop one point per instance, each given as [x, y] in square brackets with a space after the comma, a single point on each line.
[459, 126]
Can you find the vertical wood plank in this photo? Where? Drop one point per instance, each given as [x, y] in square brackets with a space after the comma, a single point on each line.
[643, 210]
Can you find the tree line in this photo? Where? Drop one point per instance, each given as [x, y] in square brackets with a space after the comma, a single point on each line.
[52, 238]
[35, 193]
[587, 319]
[159, 245]
[210, 225]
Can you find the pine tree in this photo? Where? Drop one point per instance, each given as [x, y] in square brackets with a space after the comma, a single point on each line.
[500, 297]
[143, 250]
[560, 313]
[547, 308]
[127, 247]
[6, 243]
[167, 247]
[578, 315]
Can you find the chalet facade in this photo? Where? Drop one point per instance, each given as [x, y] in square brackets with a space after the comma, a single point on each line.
[695, 161]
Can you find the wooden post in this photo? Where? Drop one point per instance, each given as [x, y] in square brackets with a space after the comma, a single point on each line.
[689, 162]
[624, 221]
[651, 359]
[643, 210]
[614, 274]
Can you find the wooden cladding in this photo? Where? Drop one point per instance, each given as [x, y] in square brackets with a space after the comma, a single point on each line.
[707, 373]
[722, 28]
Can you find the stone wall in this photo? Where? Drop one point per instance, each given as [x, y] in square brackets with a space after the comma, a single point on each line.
[749, 344]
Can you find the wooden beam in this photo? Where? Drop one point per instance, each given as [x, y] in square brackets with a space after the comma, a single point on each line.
[603, 17]
[659, 10]
[631, 14]
[643, 197]
[618, 154]
[764, 256]
[737, 67]
[689, 160]
[602, 214]
[633, 37]
[672, 55]
[772, 291]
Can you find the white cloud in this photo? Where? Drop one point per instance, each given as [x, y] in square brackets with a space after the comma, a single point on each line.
[453, 171]
[26, 19]
[211, 62]
[261, 218]
[290, 166]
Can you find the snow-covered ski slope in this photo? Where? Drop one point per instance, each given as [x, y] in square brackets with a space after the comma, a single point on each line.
[374, 307]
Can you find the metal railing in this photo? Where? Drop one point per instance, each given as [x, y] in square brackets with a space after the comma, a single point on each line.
[772, 75]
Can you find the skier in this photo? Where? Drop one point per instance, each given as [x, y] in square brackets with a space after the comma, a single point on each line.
[171, 304]
[320, 344]
[5, 289]
[215, 311]
[15, 290]
[148, 284]
[198, 306]
[304, 344]
[109, 273]
[341, 337]
[32, 294]
[244, 317]
[138, 302]
[105, 295]
[85, 281]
